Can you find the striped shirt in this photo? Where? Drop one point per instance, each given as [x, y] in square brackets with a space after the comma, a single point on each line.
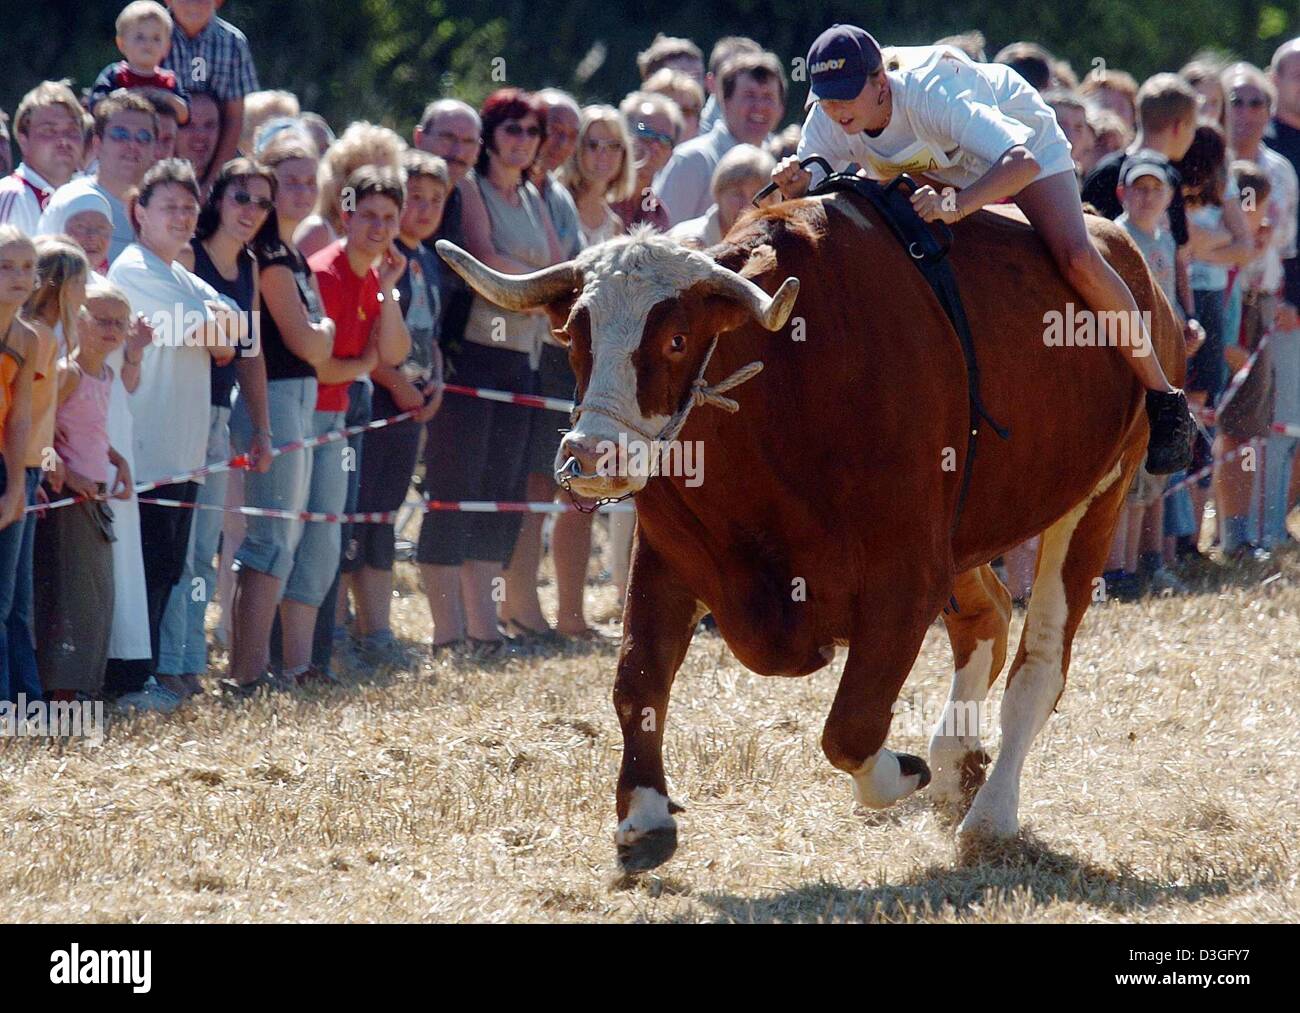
[217, 61]
[19, 203]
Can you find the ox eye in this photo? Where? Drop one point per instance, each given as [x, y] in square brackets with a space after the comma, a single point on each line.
[677, 343]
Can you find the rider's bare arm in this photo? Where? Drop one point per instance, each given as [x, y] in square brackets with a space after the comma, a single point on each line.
[1010, 174]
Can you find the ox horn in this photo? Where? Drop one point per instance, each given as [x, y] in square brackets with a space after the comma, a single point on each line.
[771, 311]
[510, 291]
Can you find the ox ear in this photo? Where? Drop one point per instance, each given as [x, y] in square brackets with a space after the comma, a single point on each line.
[563, 313]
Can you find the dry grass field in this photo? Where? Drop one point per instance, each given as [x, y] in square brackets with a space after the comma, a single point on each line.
[1166, 788]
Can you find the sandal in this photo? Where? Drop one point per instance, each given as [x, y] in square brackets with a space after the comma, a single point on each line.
[263, 685]
[516, 630]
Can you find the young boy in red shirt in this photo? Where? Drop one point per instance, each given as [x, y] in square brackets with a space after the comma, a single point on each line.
[356, 276]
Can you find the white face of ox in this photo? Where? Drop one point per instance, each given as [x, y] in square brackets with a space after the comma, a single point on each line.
[628, 286]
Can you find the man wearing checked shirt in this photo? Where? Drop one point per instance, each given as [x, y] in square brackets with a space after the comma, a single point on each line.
[211, 55]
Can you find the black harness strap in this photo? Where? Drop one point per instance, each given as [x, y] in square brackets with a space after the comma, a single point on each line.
[928, 252]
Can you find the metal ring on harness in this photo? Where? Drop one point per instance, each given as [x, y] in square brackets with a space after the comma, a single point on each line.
[570, 470]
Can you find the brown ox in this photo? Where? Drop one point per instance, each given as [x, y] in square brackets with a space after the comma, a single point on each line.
[826, 508]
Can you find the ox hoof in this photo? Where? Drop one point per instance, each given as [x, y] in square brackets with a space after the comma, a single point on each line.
[647, 837]
[957, 778]
[887, 777]
[991, 817]
[649, 850]
[909, 765]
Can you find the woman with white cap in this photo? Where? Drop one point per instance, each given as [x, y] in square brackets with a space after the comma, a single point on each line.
[984, 135]
[87, 218]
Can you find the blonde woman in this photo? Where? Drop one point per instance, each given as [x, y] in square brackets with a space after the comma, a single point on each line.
[361, 144]
[601, 170]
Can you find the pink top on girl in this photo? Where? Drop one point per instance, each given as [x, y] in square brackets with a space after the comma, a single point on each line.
[81, 426]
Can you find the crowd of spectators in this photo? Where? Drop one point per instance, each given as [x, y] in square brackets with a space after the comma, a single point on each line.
[192, 268]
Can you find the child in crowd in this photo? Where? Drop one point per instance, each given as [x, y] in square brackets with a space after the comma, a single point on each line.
[369, 332]
[415, 385]
[74, 600]
[1245, 416]
[144, 33]
[1146, 190]
[62, 271]
[211, 55]
[17, 366]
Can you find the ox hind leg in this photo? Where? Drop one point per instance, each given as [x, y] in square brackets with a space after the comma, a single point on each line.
[883, 645]
[1071, 554]
[977, 631]
[658, 623]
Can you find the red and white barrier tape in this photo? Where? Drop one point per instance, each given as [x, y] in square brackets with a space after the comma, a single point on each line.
[553, 404]
[464, 506]
[240, 461]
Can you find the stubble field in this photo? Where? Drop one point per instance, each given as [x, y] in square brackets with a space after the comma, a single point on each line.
[1166, 788]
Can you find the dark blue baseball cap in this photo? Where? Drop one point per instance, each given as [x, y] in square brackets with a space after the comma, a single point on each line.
[840, 61]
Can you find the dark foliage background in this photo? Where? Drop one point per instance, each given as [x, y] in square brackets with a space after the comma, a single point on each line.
[384, 59]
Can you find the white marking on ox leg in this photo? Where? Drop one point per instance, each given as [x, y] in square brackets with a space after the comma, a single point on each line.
[957, 733]
[648, 811]
[1033, 689]
[880, 781]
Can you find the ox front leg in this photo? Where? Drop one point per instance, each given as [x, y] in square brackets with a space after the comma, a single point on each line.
[882, 649]
[658, 623]
[1071, 554]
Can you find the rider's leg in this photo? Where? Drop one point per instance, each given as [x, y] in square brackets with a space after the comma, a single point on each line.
[1053, 207]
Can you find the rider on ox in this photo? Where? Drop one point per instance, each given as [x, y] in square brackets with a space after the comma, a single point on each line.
[983, 129]
[834, 508]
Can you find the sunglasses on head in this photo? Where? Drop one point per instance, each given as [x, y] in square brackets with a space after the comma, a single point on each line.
[243, 198]
[515, 129]
[122, 135]
[644, 130]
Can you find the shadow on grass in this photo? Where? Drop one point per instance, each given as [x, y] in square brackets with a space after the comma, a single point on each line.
[1018, 875]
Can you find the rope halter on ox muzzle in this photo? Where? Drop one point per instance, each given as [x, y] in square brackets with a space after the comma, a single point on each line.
[700, 393]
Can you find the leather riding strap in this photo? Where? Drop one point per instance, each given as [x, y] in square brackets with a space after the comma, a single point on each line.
[929, 253]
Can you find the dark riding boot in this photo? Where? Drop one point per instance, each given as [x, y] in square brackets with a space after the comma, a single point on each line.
[1172, 429]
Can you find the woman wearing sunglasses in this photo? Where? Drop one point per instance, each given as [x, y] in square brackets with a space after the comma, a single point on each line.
[240, 200]
[506, 225]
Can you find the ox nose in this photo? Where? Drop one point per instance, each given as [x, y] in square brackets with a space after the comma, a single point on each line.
[589, 451]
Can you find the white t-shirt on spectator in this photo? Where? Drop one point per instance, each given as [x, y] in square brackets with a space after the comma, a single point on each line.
[683, 186]
[170, 406]
[952, 120]
[19, 204]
